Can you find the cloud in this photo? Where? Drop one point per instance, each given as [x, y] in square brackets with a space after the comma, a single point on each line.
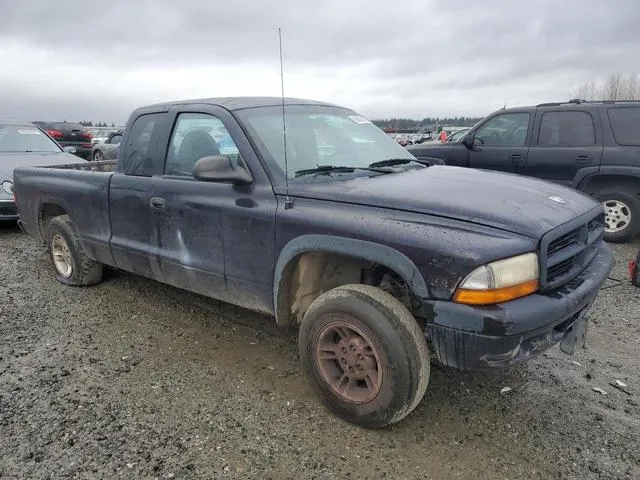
[75, 61]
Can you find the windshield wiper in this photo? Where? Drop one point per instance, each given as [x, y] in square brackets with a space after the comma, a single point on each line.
[328, 169]
[392, 162]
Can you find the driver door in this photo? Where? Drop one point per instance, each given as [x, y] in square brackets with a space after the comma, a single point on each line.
[502, 143]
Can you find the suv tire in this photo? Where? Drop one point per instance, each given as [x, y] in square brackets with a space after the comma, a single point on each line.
[622, 212]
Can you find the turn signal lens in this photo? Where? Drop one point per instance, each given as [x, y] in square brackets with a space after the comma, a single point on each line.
[498, 295]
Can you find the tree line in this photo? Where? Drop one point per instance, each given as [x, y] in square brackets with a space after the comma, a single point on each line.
[615, 87]
[98, 124]
[407, 123]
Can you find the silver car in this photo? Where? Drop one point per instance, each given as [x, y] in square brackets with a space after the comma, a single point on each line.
[25, 144]
[107, 150]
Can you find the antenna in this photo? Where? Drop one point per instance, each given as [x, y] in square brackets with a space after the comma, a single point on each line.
[287, 202]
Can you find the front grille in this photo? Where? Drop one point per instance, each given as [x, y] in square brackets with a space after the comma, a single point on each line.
[559, 270]
[567, 250]
[563, 242]
[8, 210]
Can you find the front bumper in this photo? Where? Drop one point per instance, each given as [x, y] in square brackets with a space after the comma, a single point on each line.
[477, 338]
[8, 210]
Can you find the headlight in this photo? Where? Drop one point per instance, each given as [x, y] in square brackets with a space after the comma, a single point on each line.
[500, 281]
[7, 187]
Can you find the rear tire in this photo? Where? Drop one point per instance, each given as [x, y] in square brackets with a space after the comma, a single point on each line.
[622, 212]
[365, 354]
[97, 156]
[72, 265]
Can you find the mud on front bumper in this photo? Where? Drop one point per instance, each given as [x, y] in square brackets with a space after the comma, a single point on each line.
[477, 338]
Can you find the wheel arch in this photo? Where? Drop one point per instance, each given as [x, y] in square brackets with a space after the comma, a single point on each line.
[47, 211]
[629, 177]
[327, 261]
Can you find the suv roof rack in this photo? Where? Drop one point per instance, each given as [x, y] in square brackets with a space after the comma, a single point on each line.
[578, 101]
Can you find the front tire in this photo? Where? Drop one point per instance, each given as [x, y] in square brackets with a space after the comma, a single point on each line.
[365, 354]
[72, 265]
[98, 156]
[622, 212]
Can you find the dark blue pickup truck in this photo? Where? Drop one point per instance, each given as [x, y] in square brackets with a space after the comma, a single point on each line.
[378, 258]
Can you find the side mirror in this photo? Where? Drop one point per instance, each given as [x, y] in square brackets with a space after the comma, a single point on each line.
[218, 168]
[468, 140]
[69, 149]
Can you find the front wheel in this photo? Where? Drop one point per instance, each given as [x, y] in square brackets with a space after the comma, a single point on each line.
[98, 156]
[365, 354]
[621, 212]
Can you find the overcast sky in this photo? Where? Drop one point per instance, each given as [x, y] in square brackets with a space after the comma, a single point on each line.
[86, 60]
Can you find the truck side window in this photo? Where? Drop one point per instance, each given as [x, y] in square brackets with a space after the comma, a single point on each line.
[566, 129]
[137, 160]
[197, 135]
[508, 129]
[625, 122]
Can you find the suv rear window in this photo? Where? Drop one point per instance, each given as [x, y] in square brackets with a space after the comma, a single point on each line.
[625, 122]
[566, 129]
[67, 127]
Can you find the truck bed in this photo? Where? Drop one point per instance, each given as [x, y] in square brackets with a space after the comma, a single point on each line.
[104, 166]
[80, 190]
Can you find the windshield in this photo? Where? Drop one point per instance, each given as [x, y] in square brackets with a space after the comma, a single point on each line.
[25, 138]
[455, 136]
[318, 136]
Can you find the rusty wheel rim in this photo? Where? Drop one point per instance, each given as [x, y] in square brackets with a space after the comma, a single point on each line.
[348, 362]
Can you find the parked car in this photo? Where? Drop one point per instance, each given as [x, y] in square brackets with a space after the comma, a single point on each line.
[24, 144]
[590, 146]
[69, 135]
[372, 253]
[108, 150]
[99, 135]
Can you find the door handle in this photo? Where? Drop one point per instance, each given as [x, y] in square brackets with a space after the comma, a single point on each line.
[584, 158]
[517, 158]
[158, 203]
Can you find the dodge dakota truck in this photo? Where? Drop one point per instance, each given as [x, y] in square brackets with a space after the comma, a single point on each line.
[308, 212]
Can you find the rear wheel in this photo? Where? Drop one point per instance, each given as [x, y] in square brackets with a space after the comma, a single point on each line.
[72, 265]
[365, 354]
[98, 156]
[621, 213]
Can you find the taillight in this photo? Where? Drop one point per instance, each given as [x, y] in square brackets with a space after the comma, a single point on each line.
[87, 136]
[55, 133]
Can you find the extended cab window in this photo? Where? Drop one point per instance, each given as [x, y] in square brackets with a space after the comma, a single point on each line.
[507, 129]
[115, 139]
[625, 122]
[197, 135]
[139, 160]
[566, 129]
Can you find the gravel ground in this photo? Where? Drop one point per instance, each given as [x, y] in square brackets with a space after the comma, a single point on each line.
[134, 379]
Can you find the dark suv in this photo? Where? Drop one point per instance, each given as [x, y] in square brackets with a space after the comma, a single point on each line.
[69, 135]
[591, 146]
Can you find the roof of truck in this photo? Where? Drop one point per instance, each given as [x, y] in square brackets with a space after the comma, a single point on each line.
[239, 103]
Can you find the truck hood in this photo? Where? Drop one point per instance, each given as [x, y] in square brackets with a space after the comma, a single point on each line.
[10, 161]
[506, 201]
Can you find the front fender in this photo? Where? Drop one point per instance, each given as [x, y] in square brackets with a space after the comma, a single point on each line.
[370, 251]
